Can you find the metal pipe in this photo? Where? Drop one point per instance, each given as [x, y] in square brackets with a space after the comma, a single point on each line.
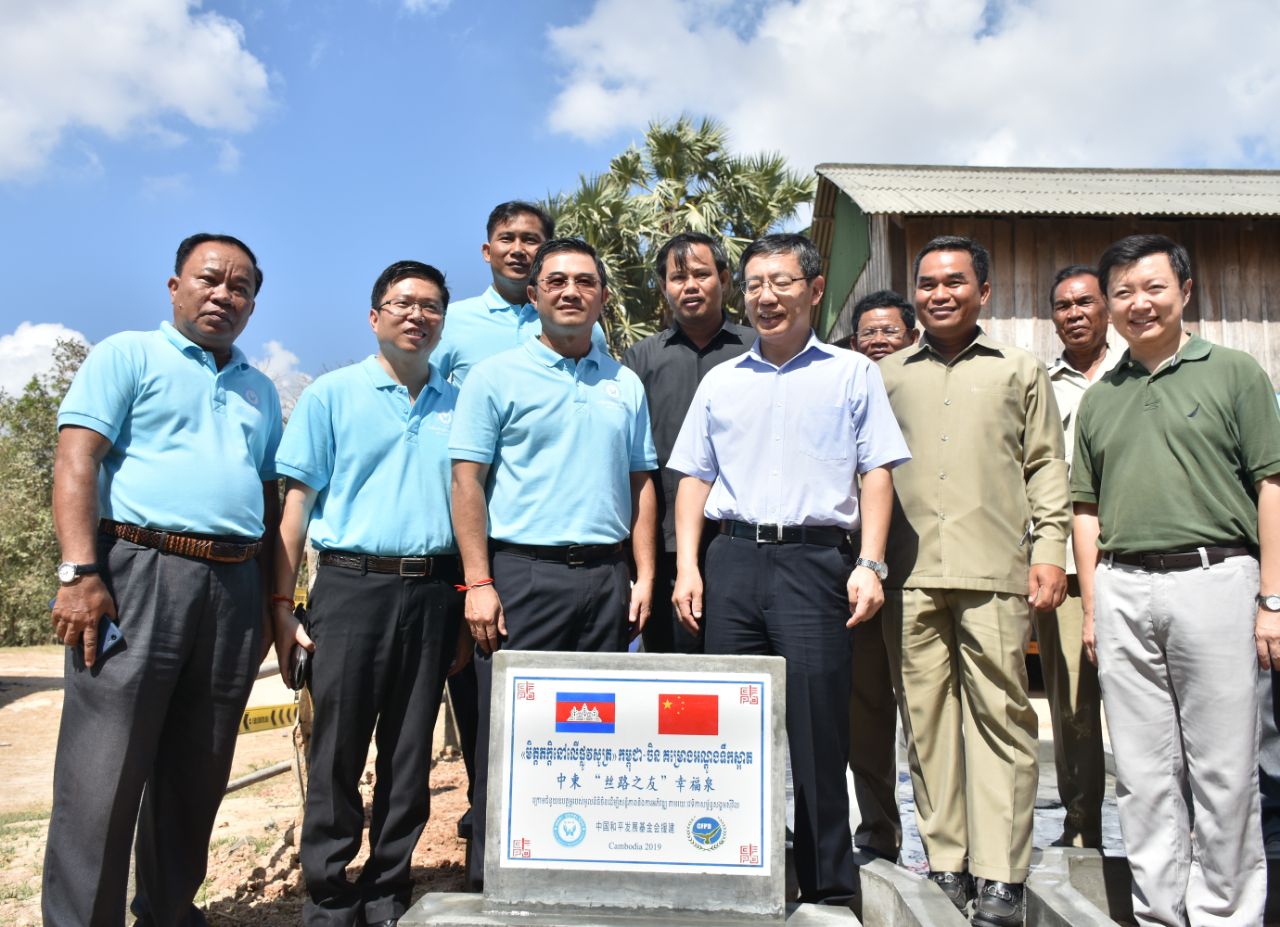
[258, 775]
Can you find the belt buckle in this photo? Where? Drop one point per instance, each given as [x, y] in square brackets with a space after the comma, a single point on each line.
[769, 534]
[424, 563]
[574, 556]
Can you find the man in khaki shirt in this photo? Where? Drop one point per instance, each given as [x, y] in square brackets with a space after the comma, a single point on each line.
[1070, 680]
[986, 520]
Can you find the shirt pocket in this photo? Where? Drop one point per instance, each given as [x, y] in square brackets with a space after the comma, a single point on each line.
[824, 432]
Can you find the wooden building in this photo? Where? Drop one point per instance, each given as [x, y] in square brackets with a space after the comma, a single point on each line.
[869, 221]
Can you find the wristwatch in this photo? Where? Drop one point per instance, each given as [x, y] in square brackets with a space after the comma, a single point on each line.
[1269, 603]
[882, 569]
[67, 571]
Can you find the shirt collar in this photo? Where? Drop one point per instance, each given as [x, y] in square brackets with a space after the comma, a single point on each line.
[726, 330]
[980, 342]
[1060, 367]
[1195, 349]
[549, 358]
[380, 379]
[810, 346]
[191, 349]
[493, 301]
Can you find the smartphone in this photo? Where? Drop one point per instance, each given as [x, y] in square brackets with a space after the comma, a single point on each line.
[109, 638]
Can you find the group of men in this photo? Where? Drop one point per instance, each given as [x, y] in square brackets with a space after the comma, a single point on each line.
[885, 518]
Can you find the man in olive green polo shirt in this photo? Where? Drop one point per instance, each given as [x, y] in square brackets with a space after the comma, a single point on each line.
[1176, 483]
[985, 530]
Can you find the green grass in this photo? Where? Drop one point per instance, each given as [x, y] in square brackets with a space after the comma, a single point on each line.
[22, 815]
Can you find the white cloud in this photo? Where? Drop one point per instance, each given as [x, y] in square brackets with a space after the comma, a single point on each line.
[228, 157]
[429, 7]
[281, 365]
[119, 68]
[1050, 82]
[28, 351]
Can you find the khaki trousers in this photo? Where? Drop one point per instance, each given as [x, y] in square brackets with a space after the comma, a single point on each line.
[873, 742]
[971, 730]
[1075, 700]
[1179, 673]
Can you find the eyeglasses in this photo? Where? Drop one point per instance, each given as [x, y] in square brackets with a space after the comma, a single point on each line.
[403, 308]
[554, 283]
[778, 283]
[888, 331]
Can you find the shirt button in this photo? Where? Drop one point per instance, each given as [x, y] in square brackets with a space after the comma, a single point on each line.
[774, 472]
[942, 476]
[777, 437]
[942, 516]
[946, 402]
[945, 438]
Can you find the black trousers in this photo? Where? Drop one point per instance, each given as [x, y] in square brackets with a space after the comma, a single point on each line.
[663, 632]
[154, 723]
[789, 600]
[547, 606]
[383, 647]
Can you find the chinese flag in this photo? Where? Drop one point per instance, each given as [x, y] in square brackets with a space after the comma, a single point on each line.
[688, 714]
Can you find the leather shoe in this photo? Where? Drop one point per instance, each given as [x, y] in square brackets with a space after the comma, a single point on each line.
[957, 886]
[999, 904]
[389, 922]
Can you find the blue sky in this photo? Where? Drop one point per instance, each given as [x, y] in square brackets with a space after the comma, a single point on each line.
[336, 137]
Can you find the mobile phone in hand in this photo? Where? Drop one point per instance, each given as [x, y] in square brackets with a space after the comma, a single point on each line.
[109, 638]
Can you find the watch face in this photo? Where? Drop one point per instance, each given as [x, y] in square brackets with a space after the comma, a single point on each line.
[1271, 602]
[66, 572]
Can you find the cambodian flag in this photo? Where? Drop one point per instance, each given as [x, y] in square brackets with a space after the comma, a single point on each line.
[584, 712]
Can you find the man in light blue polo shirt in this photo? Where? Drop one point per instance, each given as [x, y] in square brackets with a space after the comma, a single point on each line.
[501, 317]
[772, 448]
[551, 452]
[164, 485]
[367, 466]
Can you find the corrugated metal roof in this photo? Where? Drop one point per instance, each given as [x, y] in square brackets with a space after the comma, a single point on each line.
[913, 189]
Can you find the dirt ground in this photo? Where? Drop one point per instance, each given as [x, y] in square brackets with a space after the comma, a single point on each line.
[253, 869]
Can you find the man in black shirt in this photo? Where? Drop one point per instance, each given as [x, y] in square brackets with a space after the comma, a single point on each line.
[694, 273]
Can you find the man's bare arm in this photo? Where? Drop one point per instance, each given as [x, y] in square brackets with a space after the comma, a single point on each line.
[691, 504]
[875, 506]
[267, 557]
[644, 541]
[1084, 540]
[290, 545]
[82, 603]
[1267, 625]
[483, 609]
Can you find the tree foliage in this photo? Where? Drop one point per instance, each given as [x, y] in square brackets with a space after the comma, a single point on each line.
[683, 178]
[28, 549]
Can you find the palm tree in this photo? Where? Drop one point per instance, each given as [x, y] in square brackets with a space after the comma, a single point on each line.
[683, 179]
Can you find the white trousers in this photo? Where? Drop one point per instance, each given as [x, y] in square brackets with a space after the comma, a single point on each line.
[1178, 669]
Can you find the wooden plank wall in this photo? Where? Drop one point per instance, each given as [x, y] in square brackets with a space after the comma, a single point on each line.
[1235, 265]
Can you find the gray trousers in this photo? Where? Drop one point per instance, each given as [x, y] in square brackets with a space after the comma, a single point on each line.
[155, 724]
[1178, 668]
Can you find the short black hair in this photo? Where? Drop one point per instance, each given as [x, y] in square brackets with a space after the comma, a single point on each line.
[681, 245]
[1130, 250]
[191, 242]
[806, 252]
[560, 246]
[1071, 270]
[884, 299]
[977, 254]
[505, 212]
[404, 270]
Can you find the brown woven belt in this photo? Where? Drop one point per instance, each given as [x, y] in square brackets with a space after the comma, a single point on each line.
[200, 546]
[401, 566]
[1179, 560]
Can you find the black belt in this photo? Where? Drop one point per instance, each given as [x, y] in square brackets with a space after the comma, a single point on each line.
[184, 543]
[572, 554]
[1179, 560]
[401, 566]
[826, 535]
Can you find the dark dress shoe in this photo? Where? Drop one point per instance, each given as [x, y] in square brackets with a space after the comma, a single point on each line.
[389, 922]
[1000, 904]
[957, 886]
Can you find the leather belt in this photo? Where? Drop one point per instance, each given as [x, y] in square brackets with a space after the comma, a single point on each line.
[572, 554]
[825, 535]
[1179, 560]
[185, 544]
[399, 566]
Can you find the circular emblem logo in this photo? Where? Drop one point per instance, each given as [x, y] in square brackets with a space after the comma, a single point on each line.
[569, 829]
[706, 833]
[612, 390]
[445, 417]
[251, 397]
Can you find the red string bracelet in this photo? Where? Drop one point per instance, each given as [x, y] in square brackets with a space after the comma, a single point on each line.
[487, 581]
[282, 598]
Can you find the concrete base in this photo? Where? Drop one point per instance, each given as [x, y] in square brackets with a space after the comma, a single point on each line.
[452, 909]
[896, 897]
